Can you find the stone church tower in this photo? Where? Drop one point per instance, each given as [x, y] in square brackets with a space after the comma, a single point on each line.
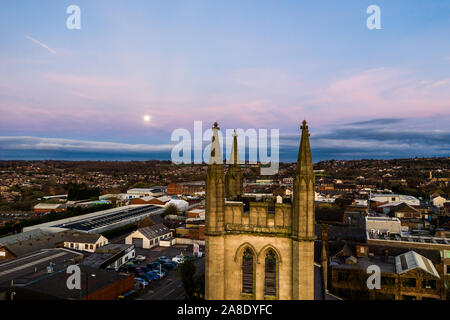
[259, 253]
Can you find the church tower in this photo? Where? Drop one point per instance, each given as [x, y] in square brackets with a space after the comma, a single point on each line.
[215, 200]
[233, 178]
[253, 252]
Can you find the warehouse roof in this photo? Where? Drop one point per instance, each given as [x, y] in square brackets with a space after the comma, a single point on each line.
[46, 241]
[22, 236]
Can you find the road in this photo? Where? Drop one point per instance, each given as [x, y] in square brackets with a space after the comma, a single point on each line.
[170, 287]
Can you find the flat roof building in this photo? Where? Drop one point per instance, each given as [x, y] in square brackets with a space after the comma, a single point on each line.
[101, 221]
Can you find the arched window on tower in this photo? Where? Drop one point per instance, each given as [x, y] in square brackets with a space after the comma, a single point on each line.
[247, 272]
[270, 274]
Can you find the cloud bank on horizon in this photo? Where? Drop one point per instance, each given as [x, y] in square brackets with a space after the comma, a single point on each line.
[259, 64]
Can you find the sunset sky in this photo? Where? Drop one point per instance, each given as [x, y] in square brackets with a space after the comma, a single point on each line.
[138, 69]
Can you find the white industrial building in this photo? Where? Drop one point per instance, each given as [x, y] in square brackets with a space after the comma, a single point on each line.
[85, 241]
[149, 237]
[383, 225]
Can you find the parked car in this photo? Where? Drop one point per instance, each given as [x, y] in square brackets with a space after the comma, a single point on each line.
[153, 265]
[131, 268]
[141, 258]
[145, 276]
[159, 273]
[138, 270]
[127, 296]
[171, 265]
[141, 281]
[153, 275]
[136, 261]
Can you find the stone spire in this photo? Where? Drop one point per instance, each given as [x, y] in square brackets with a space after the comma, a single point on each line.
[304, 161]
[233, 178]
[216, 151]
[303, 201]
[234, 158]
[303, 222]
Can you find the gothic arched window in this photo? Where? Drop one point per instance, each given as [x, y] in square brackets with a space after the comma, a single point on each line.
[247, 271]
[270, 274]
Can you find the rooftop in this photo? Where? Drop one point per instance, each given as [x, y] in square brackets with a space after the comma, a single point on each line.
[32, 267]
[22, 236]
[154, 231]
[412, 260]
[55, 284]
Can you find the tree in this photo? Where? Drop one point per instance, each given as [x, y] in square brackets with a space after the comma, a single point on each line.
[194, 286]
[171, 209]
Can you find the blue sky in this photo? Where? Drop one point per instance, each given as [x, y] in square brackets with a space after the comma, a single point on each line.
[82, 94]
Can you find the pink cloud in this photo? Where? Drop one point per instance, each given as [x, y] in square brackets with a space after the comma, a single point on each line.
[383, 92]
